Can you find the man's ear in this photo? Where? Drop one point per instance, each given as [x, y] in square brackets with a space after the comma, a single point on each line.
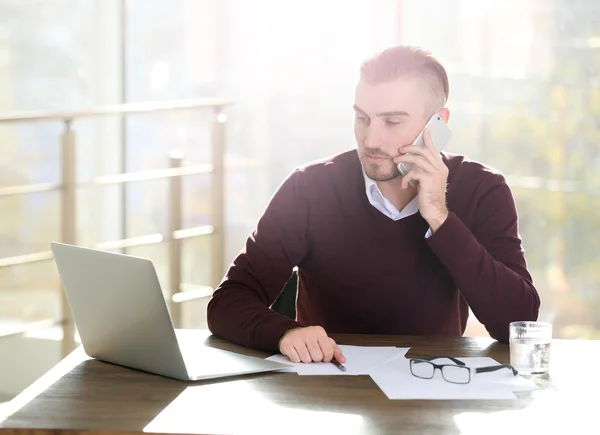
[445, 114]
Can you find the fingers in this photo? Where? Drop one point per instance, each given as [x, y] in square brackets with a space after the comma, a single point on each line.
[286, 346]
[326, 348]
[412, 177]
[296, 352]
[337, 352]
[291, 353]
[417, 160]
[303, 353]
[415, 151]
[309, 344]
[429, 151]
[314, 349]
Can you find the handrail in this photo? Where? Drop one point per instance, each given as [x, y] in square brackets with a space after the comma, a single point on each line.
[111, 245]
[116, 109]
[156, 174]
[27, 327]
[174, 172]
[28, 188]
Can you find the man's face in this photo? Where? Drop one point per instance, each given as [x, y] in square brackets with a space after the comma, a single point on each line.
[388, 116]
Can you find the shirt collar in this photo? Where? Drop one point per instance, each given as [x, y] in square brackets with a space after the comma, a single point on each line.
[369, 184]
[371, 187]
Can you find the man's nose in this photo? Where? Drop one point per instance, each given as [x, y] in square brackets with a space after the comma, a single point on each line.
[373, 138]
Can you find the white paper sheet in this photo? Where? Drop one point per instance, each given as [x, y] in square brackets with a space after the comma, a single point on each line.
[395, 380]
[504, 376]
[360, 360]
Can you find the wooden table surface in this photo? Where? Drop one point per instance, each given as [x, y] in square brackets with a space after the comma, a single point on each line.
[81, 394]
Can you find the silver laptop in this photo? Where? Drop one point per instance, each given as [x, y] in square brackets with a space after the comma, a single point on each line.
[122, 318]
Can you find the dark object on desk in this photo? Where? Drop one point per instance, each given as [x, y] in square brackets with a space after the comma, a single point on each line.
[456, 373]
[338, 364]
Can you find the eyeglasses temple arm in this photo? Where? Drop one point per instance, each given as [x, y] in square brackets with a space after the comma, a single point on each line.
[494, 368]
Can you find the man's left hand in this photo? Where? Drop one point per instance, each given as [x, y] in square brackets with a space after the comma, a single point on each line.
[431, 176]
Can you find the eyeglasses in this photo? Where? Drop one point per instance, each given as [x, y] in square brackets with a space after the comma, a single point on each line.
[457, 373]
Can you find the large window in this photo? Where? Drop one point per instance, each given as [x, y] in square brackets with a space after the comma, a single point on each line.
[54, 55]
[525, 99]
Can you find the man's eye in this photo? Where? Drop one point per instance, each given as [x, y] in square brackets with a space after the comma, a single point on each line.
[362, 119]
[391, 123]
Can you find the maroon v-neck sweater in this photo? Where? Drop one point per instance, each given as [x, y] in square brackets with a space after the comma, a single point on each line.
[362, 272]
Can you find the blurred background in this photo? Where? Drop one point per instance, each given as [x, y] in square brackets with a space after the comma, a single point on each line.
[524, 98]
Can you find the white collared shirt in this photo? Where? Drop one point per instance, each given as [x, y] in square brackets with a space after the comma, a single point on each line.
[382, 204]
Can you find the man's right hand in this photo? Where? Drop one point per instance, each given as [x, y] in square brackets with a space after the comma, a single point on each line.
[310, 344]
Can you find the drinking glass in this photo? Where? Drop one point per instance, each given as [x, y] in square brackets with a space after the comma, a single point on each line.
[530, 347]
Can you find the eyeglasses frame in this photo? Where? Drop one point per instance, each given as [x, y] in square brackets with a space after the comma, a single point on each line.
[457, 363]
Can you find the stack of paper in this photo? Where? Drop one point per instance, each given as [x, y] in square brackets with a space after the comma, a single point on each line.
[390, 370]
[360, 360]
[396, 381]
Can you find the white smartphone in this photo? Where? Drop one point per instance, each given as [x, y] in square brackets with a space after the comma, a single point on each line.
[440, 135]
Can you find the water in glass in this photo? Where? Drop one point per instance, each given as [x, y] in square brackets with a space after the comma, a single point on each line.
[530, 347]
[530, 357]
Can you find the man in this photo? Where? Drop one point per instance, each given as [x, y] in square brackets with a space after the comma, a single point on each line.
[378, 252]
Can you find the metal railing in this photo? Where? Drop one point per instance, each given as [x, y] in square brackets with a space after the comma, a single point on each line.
[177, 290]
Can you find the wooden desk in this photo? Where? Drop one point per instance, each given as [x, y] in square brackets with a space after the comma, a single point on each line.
[80, 394]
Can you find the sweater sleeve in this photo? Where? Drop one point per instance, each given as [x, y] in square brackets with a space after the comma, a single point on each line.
[239, 308]
[487, 262]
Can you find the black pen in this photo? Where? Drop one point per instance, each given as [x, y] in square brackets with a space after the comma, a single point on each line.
[339, 365]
